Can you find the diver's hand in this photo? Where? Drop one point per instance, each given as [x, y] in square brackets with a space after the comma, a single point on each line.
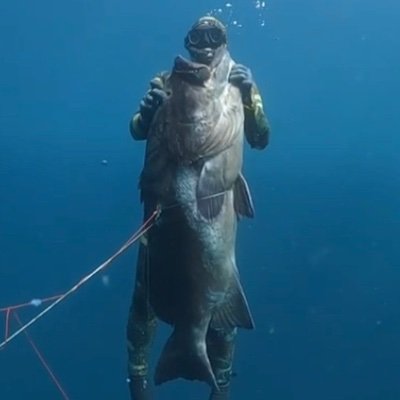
[242, 78]
[151, 102]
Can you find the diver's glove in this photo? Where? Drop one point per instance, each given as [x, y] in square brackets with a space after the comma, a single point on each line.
[241, 77]
[151, 102]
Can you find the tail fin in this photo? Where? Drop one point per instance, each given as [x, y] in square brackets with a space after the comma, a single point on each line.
[185, 356]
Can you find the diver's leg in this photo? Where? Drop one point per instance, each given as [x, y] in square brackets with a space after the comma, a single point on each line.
[220, 348]
[140, 331]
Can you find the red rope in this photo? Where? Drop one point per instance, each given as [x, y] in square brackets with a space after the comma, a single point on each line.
[59, 298]
[42, 360]
[23, 305]
[136, 236]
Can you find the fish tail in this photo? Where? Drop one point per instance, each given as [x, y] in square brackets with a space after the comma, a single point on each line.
[185, 356]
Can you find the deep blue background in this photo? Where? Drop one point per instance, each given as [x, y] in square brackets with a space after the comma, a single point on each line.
[320, 263]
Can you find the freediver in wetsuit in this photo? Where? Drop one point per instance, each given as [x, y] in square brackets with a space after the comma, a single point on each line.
[204, 41]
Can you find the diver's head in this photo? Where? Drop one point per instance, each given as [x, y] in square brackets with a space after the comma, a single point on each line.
[206, 40]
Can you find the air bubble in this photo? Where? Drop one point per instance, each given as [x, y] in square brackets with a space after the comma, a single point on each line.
[228, 13]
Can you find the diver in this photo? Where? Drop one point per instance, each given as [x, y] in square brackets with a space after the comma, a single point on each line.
[205, 43]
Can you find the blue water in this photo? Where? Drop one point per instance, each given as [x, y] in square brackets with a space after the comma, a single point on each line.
[320, 262]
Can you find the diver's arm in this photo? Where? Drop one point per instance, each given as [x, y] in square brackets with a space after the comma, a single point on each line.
[256, 125]
[141, 120]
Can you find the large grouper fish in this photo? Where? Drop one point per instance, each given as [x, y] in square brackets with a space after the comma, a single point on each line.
[192, 171]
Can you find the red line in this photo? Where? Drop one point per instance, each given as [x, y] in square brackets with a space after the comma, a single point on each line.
[29, 304]
[145, 226]
[43, 361]
[12, 309]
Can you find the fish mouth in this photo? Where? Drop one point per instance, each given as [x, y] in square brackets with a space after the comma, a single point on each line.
[191, 70]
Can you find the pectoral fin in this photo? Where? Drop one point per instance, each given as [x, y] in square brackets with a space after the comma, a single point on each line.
[210, 192]
[242, 198]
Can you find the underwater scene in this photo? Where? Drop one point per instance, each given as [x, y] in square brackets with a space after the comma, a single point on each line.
[200, 200]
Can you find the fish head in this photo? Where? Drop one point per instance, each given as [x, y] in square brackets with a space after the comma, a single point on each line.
[190, 71]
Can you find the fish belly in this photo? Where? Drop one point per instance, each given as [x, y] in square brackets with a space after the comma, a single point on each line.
[190, 258]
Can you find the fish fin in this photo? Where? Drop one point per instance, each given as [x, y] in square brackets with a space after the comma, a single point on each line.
[243, 202]
[234, 312]
[210, 193]
[184, 356]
